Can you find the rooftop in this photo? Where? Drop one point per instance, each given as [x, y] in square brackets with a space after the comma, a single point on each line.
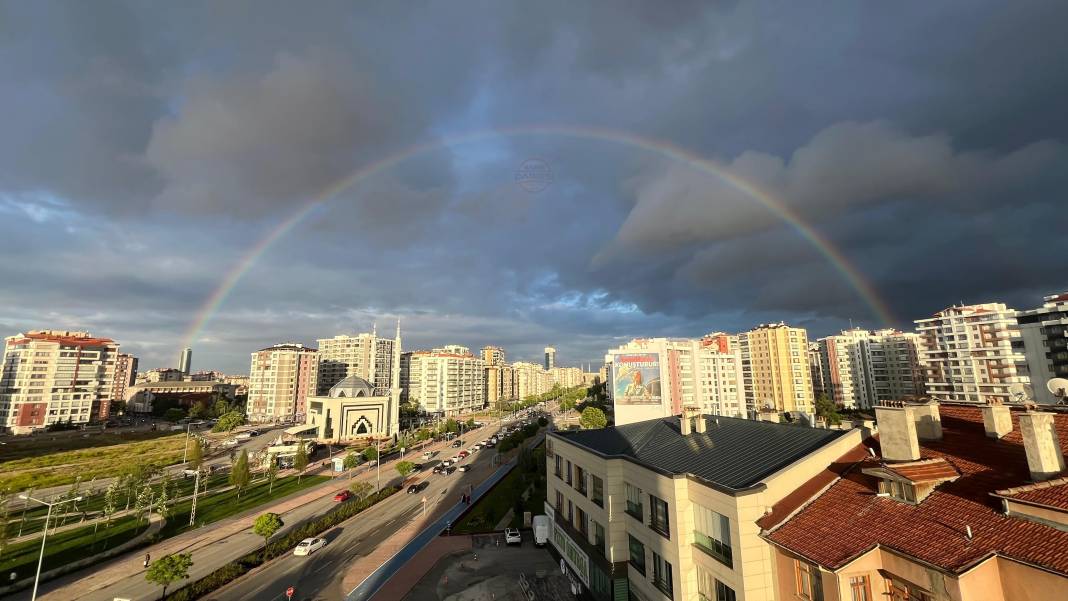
[732, 453]
[848, 518]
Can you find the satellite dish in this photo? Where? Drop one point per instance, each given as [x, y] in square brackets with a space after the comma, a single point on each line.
[1021, 393]
[1059, 388]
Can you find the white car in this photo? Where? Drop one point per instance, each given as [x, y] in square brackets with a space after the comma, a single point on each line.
[309, 546]
[512, 537]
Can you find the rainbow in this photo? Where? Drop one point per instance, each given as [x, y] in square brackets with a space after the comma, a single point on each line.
[849, 272]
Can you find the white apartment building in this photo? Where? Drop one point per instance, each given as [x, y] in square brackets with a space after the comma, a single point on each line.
[1044, 332]
[52, 376]
[672, 508]
[366, 355]
[566, 377]
[847, 369]
[530, 379]
[281, 379]
[896, 374]
[445, 381]
[968, 353]
[652, 378]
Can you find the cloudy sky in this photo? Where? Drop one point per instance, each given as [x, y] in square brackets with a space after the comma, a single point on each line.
[523, 174]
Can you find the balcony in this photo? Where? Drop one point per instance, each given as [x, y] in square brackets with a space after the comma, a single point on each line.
[715, 549]
[635, 510]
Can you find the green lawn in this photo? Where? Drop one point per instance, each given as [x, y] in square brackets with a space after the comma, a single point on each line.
[492, 507]
[216, 507]
[66, 547]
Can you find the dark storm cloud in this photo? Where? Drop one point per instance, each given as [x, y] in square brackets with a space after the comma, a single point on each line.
[144, 150]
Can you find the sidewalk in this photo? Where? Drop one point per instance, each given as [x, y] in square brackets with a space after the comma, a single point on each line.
[418, 566]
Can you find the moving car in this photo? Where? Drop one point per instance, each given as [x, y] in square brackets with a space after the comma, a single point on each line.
[309, 546]
[342, 495]
[512, 537]
[463, 454]
[448, 470]
[418, 487]
[464, 468]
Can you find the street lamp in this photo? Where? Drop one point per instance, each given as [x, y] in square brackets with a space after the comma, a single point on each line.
[44, 534]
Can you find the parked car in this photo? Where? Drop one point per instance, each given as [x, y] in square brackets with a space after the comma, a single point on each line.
[309, 546]
[342, 496]
[464, 468]
[463, 454]
[457, 444]
[512, 537]
[428, 454]
[418, 487]
[448, 470]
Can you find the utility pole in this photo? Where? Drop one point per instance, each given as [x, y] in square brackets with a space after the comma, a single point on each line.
[193, 508]
[378, 465]
[185, 452]
[44, 534]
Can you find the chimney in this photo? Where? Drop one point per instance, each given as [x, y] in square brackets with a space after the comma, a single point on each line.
[928, 421]
[684, 423]
[997, 420]
[1044, 456]
[701, 424]
[897, 433]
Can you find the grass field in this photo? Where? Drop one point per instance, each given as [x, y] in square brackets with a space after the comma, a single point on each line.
[491, 508]
[64, 467]
[22, 447]
[66, 547]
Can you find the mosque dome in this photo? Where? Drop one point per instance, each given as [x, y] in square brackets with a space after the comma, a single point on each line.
[352, 386]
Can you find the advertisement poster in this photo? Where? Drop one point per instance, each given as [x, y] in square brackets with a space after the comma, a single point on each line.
[637, 379]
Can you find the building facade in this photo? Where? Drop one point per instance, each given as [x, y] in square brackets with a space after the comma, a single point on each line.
[668, 508]
[493, 355]
[847, 369]
[531, 379]
[972, 353]
[54, 376]
[550, 358]
[281, 379]
[125, 376]
[185, 361]
[366, 355]
[444, 381]
[1044, 332]
[160, 374]
[779, 368]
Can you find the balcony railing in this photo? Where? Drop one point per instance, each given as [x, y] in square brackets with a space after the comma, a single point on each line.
[714, 548]
[635, 510]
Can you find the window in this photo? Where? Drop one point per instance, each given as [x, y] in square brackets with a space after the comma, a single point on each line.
[807, 581]
[724, 592]
[569, 472]
[634, 501]
[580, 521]
[860, 588]
[559, 467]
[598, 490]
[902, 491]
[662, 574]
[580, 480]
[599, 539]
[559, 501]
[637, 554]
[658, 516]
[712, 534]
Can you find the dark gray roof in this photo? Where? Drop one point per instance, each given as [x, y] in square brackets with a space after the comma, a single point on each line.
[733, 453]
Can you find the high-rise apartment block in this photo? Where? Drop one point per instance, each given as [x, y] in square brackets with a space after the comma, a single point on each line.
[531, 379]
[185, 361]
[493, 355]
[972, 353]
[365, 355]
[1044, 332]
[444, 381]
[53, 376]
[125, 376]
[550, 358]
[281, 379]
[779, 368]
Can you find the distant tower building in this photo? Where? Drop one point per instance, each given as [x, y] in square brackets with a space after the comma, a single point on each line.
[185, 361]
[550, 358]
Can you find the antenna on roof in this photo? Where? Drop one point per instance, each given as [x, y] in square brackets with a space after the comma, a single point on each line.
[1022, 393]
[1058, 387]
[969, 531]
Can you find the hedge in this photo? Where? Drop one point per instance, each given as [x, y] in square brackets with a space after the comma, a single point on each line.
[512, 440]
[241, 566]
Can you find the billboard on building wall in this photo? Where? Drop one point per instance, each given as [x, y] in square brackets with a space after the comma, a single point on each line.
[636, 379]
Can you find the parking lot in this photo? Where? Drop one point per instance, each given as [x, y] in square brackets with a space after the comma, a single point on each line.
[491, 571]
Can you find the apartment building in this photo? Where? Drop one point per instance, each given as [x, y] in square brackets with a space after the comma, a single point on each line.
[52, 376]
[815, 368]
[550, 358]
[530, 379]
[444, 381]
[895, 365]
[847, 369]
[955, 503]
[366, 355]
[668, 508]
[778, 368]
[281, 379]
[1044, 332]
[972, 353]
[566, 377]
[493, 355]
[125, 376]
[655, 377]
[161, 374]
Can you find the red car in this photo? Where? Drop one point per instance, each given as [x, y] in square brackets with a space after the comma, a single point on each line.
[342, 496]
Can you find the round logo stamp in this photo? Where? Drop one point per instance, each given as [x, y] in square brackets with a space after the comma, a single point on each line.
[534, 175]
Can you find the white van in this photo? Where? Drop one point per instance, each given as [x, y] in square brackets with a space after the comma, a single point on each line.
[541, 530]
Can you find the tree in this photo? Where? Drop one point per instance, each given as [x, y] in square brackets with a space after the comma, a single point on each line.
[144, 502]
[300, 460]
[351, 460]
[826, 409]
[173, 414]
[370, 454]
[593, 419]
[196, 455]
[198, 410]
[361, 489]
[567, 405]
[228, 421]
[169, 569]
[272, 473]
[404, 468]
[111, 502]
[471, 424]
[451, 425]
[266, 525]
[240, 474]
[5, 519]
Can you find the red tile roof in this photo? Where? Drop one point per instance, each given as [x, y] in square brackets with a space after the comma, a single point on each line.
[1051, 493]
[848, 518]
[928, 470]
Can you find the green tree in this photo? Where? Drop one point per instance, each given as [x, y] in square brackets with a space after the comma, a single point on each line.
[198, 410]
[196, 454]
[240, 474]
[300, 460]
[593, 419]
[404, 468]
[111, 502]
[351, 460]
[5, 521]
[228, 421]
[452, 425]
[370, 453]
[826, 409]
[266, 525]
[272, 473]
[361, 489]
[144, 502]
[174, 414]
[471, 424]
[567, 405]
[169, 569]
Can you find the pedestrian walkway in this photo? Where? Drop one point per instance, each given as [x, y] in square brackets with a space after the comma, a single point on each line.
[419, 565]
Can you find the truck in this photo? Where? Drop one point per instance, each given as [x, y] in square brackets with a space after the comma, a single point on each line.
[541, 530]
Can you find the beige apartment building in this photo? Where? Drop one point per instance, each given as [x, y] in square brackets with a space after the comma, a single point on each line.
[669, 508]
[779, 368]
[566, 377]
[444, 381]
[125, 376]
[366, 355]
[281, 379]
[530, 379]
[967, 353]
[53, 376]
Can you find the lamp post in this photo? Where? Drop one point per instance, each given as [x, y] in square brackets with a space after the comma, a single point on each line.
[44, 534]
[185, 452]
